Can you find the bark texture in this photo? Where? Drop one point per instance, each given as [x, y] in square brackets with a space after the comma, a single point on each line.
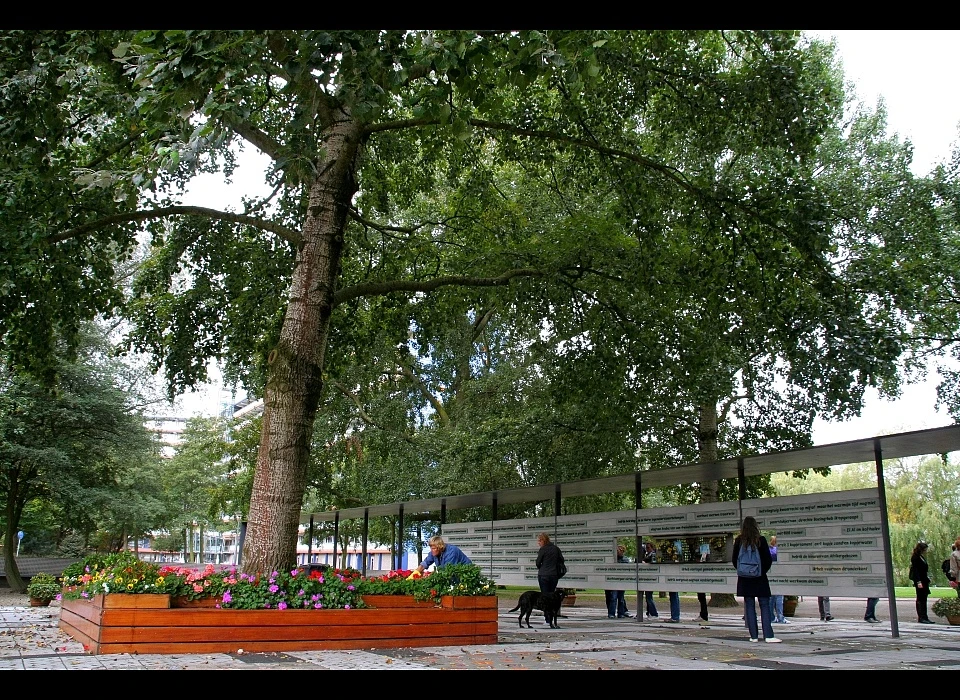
[295, 379]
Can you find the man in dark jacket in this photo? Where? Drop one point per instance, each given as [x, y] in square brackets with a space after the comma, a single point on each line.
[549, 559]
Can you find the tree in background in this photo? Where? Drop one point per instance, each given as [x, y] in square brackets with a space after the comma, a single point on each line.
[73, 445]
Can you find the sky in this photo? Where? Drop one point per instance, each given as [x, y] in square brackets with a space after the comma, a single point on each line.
[915, 73]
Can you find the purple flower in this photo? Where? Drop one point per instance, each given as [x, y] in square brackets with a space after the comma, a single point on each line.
[301, 593]
[314, 597]
[281, 605]
[351, 588]
[346, 607]
[227, 597]
[318, 605]
[294, 572]
[274, 588]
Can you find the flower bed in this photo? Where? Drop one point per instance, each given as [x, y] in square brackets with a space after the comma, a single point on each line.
[122, 605]
[105, 624]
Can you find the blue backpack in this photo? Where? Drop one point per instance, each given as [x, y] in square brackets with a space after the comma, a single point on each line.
[748, 562]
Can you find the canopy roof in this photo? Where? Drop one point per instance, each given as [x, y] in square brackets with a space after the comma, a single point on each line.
[910, 444]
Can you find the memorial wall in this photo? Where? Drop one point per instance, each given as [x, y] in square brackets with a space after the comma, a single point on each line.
[828, 544]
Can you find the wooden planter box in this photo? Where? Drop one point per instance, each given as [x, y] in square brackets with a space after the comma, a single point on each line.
[122, 624]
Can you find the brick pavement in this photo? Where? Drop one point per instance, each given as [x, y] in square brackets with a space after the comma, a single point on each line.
[31, 640]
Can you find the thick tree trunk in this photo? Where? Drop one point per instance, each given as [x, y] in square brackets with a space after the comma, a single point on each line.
[294, 379]
[710, 490]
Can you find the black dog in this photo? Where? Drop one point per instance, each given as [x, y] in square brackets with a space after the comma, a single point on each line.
[548, 602]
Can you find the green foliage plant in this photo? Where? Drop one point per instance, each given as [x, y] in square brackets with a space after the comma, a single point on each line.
[454, 580]
[43, 586]
[333, 589]
[115, 573]
[947, 607]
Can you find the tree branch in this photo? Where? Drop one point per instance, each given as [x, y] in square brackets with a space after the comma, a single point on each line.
[293, 237]
[383, 288]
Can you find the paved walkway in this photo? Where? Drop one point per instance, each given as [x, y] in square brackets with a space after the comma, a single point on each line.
[31, 640]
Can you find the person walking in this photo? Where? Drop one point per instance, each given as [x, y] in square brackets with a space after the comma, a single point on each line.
[920, 575]
[549, 559]
[751, 559]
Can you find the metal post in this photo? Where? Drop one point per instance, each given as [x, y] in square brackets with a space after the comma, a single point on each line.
[336, 536]
[399, 537]
[742, 482]
[363, 545]
[885, 533]
[310, 543]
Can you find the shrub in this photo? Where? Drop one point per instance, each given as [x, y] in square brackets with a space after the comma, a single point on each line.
[43, 586]
[946, 607]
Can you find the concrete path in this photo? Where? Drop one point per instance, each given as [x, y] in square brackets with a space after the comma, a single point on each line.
[31, 640]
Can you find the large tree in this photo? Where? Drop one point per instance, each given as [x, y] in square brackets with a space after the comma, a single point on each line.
[386, 149]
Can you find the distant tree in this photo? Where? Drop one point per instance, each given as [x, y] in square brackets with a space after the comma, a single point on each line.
[64, 444]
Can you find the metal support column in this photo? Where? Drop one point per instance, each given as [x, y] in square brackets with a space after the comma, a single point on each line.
[885, 533]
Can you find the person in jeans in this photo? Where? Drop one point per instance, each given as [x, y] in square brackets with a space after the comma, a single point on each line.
[617, 600]
[777, 600]
[871, 613]
[823, 602]
[649, 557]
[755, 587]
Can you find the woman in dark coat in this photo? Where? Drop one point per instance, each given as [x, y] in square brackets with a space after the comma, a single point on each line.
[920, 575]
[755, 587]
[549, 558]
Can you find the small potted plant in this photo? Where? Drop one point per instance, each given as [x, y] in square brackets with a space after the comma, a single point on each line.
[790, 603]
[42, 589]
[948, 608]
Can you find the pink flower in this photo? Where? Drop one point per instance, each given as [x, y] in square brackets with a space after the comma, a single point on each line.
[274, 588]
[281, 605]
[227, 597]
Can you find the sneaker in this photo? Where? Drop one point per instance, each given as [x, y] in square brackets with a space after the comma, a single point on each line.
[652, 617]
[872, 620]
[828, 618]
[773, 640]
[625, 615]
[671, 620]
[611, 617]
[699, 619]
[927, 621]
[754, 640]
[784, 621]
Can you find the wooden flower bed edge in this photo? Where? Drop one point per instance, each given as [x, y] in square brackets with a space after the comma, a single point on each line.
[146, 624]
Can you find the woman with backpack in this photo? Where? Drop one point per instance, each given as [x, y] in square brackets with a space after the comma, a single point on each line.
[752, 560]
[920, 575]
